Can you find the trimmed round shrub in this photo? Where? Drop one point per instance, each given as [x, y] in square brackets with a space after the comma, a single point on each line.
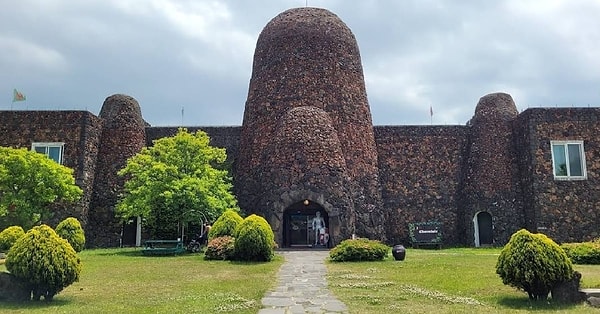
[9, 236]
[225, 225]
[359, 250]
[533, 263]
[221, 248]
[45, 261]
[70, 229]
[583, 253]
[255, 240]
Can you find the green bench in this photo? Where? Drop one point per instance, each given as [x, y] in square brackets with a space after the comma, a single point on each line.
[163, 247]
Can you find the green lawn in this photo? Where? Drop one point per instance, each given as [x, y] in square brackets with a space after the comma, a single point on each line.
[124, 281]
[428, 281]
[440, 281]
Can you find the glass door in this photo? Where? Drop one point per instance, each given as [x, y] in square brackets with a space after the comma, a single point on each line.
[298, 230]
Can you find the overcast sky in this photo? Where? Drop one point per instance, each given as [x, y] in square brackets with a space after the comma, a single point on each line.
[169, 54]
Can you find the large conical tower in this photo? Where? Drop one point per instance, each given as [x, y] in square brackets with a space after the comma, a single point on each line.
[307, 140]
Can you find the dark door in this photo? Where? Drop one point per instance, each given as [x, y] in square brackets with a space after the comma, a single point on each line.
[129, 233]
[298, 229]
[484, 223]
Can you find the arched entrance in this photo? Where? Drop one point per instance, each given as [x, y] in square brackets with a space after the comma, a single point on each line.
[484, 234]
[297, 223]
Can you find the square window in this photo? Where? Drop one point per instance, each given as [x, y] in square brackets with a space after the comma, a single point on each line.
[568, 160]
[54, 151]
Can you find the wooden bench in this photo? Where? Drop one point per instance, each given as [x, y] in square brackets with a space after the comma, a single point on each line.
[163, 247]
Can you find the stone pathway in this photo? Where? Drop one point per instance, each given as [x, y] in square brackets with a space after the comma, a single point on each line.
[302, 287]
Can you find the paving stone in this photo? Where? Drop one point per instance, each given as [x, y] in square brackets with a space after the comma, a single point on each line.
[302, 286]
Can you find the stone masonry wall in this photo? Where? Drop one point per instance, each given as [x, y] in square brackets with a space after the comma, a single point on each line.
[566, 211]
[123, 136]
[420, 168]
[491, 180]
[309, 57]
[79, 130]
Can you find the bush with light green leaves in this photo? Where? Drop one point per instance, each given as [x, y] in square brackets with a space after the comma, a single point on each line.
[9, 236]
[533, 263]
[359, 250]
[225, 225]
[70, 229]
[255, 240]
[584, 252]
[44, 261]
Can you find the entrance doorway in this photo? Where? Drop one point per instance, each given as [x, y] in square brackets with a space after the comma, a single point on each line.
[297, 223]
[484, 234]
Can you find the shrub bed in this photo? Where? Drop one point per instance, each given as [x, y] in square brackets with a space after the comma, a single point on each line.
[583, 253]
[221, 248]
[359, 250]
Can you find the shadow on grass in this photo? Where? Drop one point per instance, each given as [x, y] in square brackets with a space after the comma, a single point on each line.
[525, 304]
[138, 253]
[54, 304]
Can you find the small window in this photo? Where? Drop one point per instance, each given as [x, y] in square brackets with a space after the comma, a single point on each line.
[54, 151]
[568, 160]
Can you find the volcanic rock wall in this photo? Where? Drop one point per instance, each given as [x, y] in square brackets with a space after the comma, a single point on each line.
[123, 136]
[308, 57]
[567, 211]
[80, 133]
[491, 175]
[420, 168]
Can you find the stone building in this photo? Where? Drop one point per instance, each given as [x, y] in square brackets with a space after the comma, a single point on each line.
[307, 144]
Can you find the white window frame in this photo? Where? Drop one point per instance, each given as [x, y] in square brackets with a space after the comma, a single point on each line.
[566, 144]
[47, 146]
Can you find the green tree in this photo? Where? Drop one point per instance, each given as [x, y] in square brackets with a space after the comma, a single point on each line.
[44, 261]
[29, 183]
[180, 179]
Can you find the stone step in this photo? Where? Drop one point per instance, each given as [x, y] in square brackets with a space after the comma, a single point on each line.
[591, 292]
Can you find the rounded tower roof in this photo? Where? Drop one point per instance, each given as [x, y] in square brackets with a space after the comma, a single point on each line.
[496, 106]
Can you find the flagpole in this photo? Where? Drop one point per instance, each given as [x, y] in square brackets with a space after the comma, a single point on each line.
[182, 116]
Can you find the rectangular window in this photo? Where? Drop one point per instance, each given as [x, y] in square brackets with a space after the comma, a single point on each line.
[568, 160]
[54, 151]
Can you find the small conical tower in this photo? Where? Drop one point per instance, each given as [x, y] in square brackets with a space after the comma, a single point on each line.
[123, 136]
[307, 135]
[491, 192]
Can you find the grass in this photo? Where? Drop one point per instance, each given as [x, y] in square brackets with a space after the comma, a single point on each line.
[440, 281]
[124, 281]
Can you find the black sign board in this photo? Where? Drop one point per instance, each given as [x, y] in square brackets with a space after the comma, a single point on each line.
[425, 232]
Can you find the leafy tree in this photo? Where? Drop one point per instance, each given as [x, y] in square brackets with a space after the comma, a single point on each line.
[534, 263]
[70, 229]
[45, 261]
[180, 179]
[29, 183]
